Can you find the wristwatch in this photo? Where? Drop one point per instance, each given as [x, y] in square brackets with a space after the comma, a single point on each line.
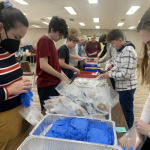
[112, 65]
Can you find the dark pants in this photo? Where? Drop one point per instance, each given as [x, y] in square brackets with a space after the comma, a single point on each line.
[79, 65]
[112, 82]
[126, 100]
[45, 92]
[146, 145]
[70, 73]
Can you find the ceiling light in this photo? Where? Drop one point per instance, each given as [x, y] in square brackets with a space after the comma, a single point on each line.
[49, 18]
[97, 27]
[93, 1]
[96, 19]
[24, 14]
[71, 10]
[120, 24]
[22, 2]
[132, 10]
[132, 27]
[82, 24]
[46, 23]
[36, 26]
[67, 27]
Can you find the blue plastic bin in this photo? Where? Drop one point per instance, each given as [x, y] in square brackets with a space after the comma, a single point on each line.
[90, 69]
[89, 65]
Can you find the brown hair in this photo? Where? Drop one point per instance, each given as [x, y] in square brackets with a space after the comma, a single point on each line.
[145, 65]
[72, 38]
[114, 34]
[74, 30]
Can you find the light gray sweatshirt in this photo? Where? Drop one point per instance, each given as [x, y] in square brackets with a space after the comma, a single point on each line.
[110, 53]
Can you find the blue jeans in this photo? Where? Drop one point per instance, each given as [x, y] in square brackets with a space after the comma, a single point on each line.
[126, 99]
[70, 73]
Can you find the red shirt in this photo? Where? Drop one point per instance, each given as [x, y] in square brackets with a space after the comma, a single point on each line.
[46, 47]
[93, 47]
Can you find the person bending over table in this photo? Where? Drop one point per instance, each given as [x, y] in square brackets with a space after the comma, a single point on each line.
[82, 41]
[47, 67]
[124, 72]
[74, 57]
[110, 56]
[63, 54]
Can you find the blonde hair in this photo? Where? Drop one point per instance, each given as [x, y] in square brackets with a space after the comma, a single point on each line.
[72, 38]
[74, 30]
[145, 63]
[84, 38]
[145, 66]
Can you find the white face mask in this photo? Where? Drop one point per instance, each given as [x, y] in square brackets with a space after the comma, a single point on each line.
[148, 53]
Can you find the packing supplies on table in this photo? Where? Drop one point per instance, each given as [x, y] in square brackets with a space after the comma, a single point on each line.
[92, 69]
[49, 120]
[132, 139]
[89, 65]
[31, 114]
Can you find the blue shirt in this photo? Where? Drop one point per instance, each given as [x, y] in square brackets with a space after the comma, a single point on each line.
[79, 49]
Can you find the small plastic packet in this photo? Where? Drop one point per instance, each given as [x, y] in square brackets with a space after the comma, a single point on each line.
[80, 111]
[61, 88]
[31, 114]
[132, 139]
[56, 100]
[100, 101]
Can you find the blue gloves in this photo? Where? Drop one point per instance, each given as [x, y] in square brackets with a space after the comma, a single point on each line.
[25, 98]
[131, 148]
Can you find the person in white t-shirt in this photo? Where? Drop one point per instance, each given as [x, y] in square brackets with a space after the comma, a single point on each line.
[143, 125]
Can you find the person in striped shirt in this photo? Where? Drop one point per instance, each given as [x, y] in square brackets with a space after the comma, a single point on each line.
[13, 27]
[123, 72]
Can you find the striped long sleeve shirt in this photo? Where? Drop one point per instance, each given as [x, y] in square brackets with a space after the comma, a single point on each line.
[10, 72]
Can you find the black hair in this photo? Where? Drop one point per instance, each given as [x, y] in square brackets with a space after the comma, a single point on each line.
[102, 38]
[114, 34]
[58, 24]
[10, 16]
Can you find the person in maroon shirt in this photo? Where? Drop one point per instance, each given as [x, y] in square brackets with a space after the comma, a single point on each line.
[47, 67]
[93, 47]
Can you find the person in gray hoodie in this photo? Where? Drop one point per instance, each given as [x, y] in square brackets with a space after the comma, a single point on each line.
[107, 49]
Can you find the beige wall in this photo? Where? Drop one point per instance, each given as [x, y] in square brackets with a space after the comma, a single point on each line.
[35, 34]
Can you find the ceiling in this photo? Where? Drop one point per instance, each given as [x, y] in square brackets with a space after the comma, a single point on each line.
[110, 12]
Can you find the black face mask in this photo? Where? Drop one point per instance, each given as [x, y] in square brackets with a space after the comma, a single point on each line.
[104, 43]
[10, 45]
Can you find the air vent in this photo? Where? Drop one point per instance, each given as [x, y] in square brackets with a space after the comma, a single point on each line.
[42, 19]
[71, 19]
[123, 19]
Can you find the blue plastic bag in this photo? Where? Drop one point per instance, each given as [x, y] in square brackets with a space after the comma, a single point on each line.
[25, 98]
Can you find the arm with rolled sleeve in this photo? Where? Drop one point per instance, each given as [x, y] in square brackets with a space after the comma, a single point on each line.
[4, 95]
[126, 66]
